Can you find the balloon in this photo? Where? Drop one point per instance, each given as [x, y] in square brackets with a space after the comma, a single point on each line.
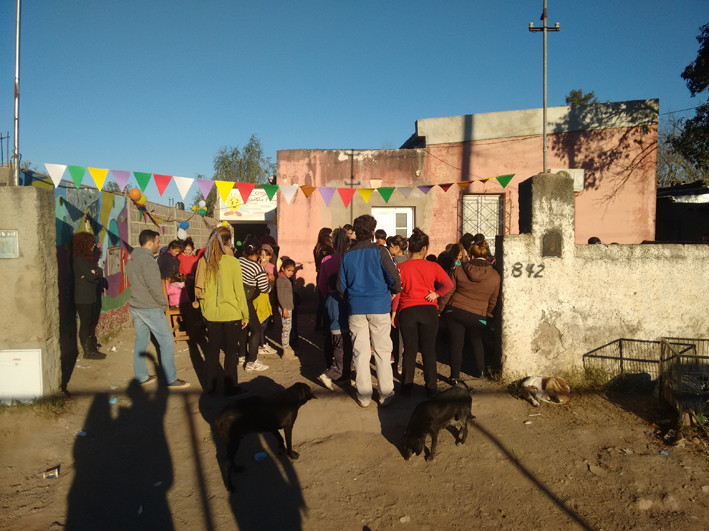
[185, 225]
[181, 234]
[238, 244]
[142, 200]
[203, 211]
[202, 204]
[225, 223]
[135, 194]
[195, 208]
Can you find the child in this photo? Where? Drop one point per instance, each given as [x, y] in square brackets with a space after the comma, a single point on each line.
[285, 304]
[262, 303]
[188, 261]
[339, 336]
[176, 292]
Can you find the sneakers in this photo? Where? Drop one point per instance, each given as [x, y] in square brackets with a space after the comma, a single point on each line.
[361, 402]
[151, 379]
[268, 349]
[178, 384]
[256, 366]
[242, 360]
[326, 381]
[95, 355]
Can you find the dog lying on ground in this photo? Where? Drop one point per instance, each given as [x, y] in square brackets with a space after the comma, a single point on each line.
[549, 389]
[265, 413]
[432, 415]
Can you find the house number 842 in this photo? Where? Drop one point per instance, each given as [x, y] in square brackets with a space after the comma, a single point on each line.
[518, 270]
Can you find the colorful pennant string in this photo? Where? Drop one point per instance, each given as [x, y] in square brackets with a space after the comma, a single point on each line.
[425, 189]
[99, 176]
[385, 192]
[142, 178]
[245, 190]
[183, 185]
[224, 188]
[271, 190]
[446, 186]
[346, 194]
[464, 184]
[121, 177]
[205, 186]
[77, 174]
[288, 191]
[326, 192]
[366, 193]
[55, 171]
[504, 180]
[406, 190]
[161, 182]
[308, 190]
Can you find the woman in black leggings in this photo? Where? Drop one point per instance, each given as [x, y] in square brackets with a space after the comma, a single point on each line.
[418, 311]
[468, 306]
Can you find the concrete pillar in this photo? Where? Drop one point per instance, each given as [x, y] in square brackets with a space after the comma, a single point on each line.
[29, 313]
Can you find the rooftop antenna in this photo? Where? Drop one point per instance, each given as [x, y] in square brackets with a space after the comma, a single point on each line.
[544, 29]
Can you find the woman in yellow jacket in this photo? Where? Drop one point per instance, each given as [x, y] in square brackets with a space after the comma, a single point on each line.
[219, 289]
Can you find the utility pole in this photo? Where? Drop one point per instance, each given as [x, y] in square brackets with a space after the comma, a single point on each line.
[544, 29]
[16, 151]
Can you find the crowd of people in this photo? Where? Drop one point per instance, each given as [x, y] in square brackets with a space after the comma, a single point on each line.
[378, 296]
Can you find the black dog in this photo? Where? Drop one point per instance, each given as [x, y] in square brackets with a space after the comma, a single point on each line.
[432, 415]
[265, 413]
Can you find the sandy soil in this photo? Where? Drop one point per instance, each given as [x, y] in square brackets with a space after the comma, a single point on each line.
[150, 460]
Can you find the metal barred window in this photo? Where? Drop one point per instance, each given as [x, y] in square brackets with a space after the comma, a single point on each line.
[483, 213]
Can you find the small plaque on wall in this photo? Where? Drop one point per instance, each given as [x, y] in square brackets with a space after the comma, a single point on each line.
[551, 244]
[9, 248]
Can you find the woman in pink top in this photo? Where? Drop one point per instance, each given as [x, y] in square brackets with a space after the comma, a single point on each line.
[330, 265]
[417, 311]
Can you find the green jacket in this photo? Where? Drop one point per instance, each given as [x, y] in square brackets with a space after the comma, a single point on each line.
[224, 297]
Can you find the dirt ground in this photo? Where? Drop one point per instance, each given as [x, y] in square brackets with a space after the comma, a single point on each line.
[133, 458]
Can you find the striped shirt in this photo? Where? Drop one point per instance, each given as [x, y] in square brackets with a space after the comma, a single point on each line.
[254, 275]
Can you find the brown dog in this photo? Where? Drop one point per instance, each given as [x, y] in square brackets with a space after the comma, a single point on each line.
[547, 389]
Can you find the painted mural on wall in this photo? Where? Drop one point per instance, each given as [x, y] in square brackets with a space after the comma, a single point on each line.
[106, 216]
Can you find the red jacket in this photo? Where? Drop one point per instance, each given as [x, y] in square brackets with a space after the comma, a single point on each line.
[417, 281]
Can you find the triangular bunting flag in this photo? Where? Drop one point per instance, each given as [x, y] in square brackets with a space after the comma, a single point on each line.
[245, 190]
[161, 182]
[406, 190]
[504, 180]
[183, 184]
[142, 178]
[224, 188]
[99, 176]
[288, 191]
[205, 186]
[326, 192]
[366, 193]
[77, 174]
[464, 184]
[385, 192]
[271, 190]
[446, 186]
[346, 194]
[55, 172]
[308, 190]
[425, 189]
[121, 178]
[486, 179]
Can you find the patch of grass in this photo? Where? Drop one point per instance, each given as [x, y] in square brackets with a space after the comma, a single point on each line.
[48, 407]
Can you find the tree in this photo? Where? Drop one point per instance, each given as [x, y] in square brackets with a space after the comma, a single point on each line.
[248, 165]
[672, 167]
[693, 140]
[577, 97]
[112, 186]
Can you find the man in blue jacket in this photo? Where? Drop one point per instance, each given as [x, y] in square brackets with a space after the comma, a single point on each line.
[368, 279]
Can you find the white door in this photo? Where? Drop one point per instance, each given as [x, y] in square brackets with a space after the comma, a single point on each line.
[395, 220]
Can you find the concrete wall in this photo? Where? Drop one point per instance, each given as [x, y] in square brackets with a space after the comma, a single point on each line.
[554, 310]
[29, 313]
[615, 144]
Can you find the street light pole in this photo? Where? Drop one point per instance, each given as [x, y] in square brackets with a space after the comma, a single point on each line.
[16, 150]
[544, 29]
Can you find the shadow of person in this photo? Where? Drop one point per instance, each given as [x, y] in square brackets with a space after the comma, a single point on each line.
[123, 469]
[267, 493]
[394, 419]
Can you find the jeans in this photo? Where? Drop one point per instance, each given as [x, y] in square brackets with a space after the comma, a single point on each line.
[377, 327]
[459, 322]
[251, 335]
[341, 346]
[145, 322]
[419, 328]
[287, 325]
[87, 326]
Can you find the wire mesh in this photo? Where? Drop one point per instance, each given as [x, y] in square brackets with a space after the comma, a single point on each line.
[684, 374]
[625, 357]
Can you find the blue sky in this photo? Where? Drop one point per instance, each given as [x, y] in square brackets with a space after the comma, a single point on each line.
[158, 86]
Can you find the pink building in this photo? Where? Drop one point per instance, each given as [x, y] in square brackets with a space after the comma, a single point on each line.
[609, 149]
